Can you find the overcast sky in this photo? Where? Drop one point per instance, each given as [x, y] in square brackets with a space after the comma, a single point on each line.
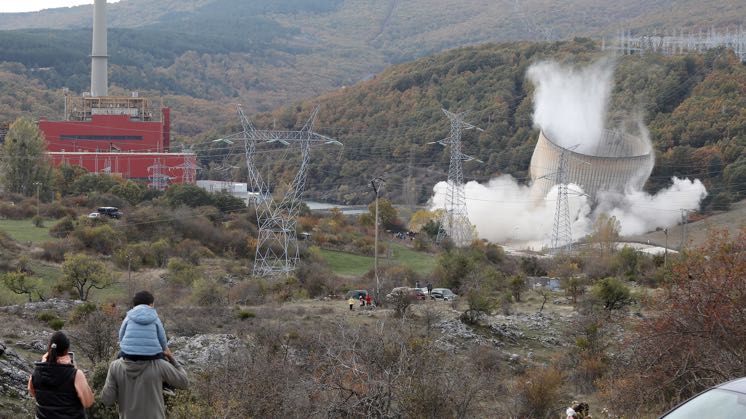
[14, 6]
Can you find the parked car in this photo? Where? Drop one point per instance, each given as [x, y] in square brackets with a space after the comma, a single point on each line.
[94, 215]
[443, 294]
[356, 294]
[727, 400]
[112, 212]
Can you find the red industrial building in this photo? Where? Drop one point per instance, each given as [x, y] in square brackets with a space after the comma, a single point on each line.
[120, 136]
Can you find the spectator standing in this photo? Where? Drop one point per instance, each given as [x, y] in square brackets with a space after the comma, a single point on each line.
[136, 386]
[60, 389]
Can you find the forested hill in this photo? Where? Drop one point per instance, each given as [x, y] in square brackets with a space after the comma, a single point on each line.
[694, 105]
[267, 53]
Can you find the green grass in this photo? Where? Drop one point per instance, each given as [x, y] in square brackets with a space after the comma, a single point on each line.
[348, 264]
[24, 231]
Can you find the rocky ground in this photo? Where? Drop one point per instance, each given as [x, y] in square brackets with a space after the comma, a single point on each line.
[525, 335]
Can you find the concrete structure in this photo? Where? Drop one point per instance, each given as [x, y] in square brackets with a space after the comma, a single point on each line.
[619, 162]
[99, 54]
[120, 136]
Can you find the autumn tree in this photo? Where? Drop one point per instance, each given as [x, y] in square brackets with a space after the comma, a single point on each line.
[82, 273]
[20, 283]
[24, 164]
[606, 232]
[697, 337]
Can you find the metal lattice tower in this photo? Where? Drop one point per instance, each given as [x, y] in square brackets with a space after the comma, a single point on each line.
[189, 172]
[158, 179]
[455, 223]
[562, 228]
[277, 246]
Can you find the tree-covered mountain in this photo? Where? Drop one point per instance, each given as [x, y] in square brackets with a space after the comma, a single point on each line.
[694, 106]
[266, 53]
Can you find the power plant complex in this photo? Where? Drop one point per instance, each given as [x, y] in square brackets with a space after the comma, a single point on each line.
[617, 163]
[121, 136]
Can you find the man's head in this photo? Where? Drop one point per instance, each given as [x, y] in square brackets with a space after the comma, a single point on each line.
[142, 297]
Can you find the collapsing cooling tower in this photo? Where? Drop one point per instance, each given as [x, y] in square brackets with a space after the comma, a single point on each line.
[616, 162]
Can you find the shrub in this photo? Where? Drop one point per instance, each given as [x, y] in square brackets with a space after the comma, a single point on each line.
[613, 293]
[182, 272]
[538, 393]
[56, 324]
[102, 239]
[207, 292]
[517, 286]
[56, 210]
[63, 228]
[46, 316]
[54, 251]
[83, 310]
[38, 221]
[246, 314]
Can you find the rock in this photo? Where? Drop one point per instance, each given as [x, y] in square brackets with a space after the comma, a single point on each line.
[38, 346]
[30, 310]
[200, 351]
[506, 332]
[14, 373]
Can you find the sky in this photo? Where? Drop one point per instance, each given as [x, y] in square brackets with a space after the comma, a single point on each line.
[15, 6]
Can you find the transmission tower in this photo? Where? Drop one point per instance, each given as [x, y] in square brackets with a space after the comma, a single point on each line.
[277, 247]
[455, 223]
[562, 228]
[158, 179]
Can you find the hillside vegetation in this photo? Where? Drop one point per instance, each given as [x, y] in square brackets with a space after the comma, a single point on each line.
[694, 106]
[269, 53]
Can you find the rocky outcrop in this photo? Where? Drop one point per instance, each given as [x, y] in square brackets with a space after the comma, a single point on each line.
[57, 306]
[199, 351]
[14, 373]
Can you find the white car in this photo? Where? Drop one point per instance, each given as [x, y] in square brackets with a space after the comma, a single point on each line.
[94, 215]
[443, 294]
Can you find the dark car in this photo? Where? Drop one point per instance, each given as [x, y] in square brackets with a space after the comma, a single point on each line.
[356, 294]
[112, 212]
[727, 400]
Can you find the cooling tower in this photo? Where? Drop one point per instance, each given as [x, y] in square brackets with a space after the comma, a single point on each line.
[617, 162]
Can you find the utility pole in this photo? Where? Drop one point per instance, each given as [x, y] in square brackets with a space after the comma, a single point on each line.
[129, 274]
[377, 184]
[665, 253]
[684, 221]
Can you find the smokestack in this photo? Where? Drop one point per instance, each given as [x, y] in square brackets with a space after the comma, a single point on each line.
[99, 56]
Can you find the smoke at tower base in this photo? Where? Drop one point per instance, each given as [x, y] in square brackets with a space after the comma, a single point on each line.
[503, 211]
[571, 104]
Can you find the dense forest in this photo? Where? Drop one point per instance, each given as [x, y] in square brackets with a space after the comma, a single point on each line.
[694, 106]
[269, 53]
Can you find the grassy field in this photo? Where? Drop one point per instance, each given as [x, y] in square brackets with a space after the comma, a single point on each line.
[24, 231]
[348, 264]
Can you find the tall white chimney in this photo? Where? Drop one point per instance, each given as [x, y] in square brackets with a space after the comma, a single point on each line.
[99, 55]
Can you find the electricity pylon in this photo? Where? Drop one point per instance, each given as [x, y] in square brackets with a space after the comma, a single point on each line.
[159, 179]
[562, 228]
[277, 246]
[455, 222]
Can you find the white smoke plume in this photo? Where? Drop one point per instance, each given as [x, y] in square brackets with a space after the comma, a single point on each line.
[570, 103]
[502, 211]
[571, 106]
